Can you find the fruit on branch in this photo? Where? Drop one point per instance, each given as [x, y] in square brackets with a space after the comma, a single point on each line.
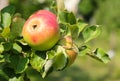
[71, 49]
[72, 54]
[41, 30]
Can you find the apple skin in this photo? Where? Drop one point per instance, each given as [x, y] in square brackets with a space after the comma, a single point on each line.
[41, 30]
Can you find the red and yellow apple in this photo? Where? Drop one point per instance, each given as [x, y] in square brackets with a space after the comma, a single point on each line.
[41, 30]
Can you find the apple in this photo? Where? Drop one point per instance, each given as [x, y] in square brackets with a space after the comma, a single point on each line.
[72, 54]
[41, 31]
[71, 49]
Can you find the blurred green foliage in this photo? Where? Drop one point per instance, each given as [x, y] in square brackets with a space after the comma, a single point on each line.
[105, 12]
[88, 7]
[27, 7]
[108, 15]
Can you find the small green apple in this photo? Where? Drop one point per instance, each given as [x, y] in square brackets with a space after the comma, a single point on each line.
[41, 30]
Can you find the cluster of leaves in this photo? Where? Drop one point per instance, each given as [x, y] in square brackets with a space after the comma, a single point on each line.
[16, 56]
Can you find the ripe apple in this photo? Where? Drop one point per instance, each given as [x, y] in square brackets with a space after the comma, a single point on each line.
[71, 50]
[41, 30]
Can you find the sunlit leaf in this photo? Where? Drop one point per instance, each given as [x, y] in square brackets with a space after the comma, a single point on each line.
[60, 59]
[2, 58]
[75, 29]
[6, 32]
[67, 17]
[91, 32]
[1, 48]
[72, 30]
[17, 47]
[6, 15]
[101, 55]
[83, 50]
[37, 62]
[6, 20]
[50, 54]
[15, 79]
[81, 25]
[49, 63]
[22, 42]
[47, 68]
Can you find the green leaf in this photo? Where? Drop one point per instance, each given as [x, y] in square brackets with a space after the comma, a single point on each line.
[3, 77]
[49, 63]
[2, 39]
[47, 68]
[60, 59]
[7, 46]
[37, 62]
[83, 50]
[53, 7]
[6, 32]
[71, 18]
[67, 17]
[101, 55]
[15, 79]
[98, 54]
[65, 29]
[7, 57]
[9, 72]
[19, 63]
[16, 27]
[50, 54]
[1, 48]
[6, 15]
[22, 42]
[2, 59]
[75, 29]
[81, 25]
[91, 32]
[14, 59]
[22, 65]
[6, 20]
[72, 30]
[17, 47]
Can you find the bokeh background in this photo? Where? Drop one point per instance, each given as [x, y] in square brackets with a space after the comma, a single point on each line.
[103, 12]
